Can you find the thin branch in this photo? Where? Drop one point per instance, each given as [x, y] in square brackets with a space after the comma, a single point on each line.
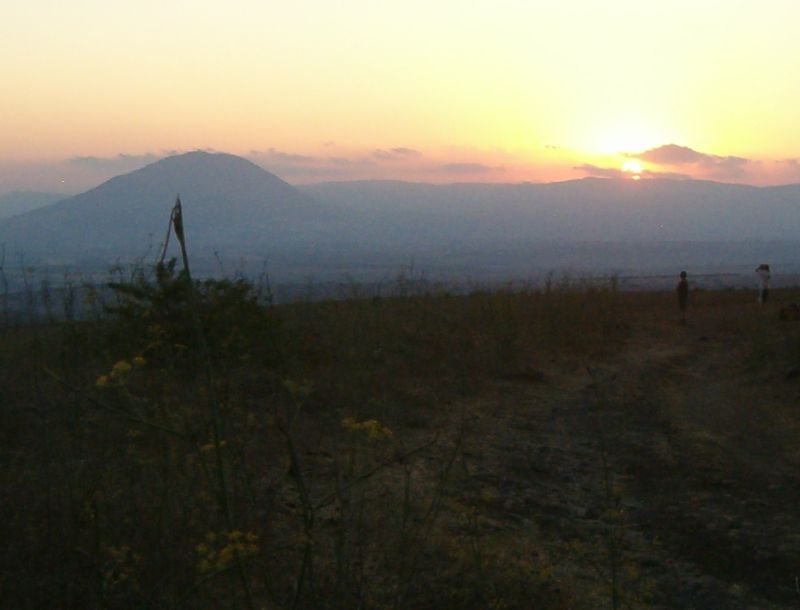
[332, 496]
[116, 410]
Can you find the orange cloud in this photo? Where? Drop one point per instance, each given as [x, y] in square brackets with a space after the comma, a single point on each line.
[707, 165]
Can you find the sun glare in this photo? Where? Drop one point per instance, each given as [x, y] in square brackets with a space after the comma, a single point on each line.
[634, 168]
[628, 135]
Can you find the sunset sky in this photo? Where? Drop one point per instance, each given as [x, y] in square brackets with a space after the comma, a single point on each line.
[439, 91]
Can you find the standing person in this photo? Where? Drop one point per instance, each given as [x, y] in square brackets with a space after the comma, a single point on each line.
[683, 295]
[763, 277]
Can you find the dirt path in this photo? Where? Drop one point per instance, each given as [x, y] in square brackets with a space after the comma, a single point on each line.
[672, 465]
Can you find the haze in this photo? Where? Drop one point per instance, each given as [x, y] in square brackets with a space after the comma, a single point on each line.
[430, 92]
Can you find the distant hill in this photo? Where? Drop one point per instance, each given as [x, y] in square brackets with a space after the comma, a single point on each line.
[366, 230]
[589, 226]
[19, 202]
[594, 210]
[226, 200]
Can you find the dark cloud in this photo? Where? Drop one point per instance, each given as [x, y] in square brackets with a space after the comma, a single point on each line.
[715, 166]
[396, 154]
[468, 168]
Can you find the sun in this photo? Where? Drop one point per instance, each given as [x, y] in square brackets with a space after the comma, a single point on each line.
[634, 168]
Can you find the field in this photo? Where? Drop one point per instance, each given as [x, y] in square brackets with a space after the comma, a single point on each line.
[571, 447]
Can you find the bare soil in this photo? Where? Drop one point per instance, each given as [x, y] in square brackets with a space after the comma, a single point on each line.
[664, 475]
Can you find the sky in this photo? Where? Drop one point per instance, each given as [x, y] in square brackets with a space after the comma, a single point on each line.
[433, 90]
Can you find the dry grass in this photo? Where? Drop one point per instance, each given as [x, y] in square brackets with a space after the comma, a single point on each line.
[341, 472]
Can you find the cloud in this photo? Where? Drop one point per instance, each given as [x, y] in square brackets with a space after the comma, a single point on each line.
[714, 166]
[396, 154]
[279, 156]
[468, 168]
[729, 167]
[786, 170]
[595, 171]
[376, 164]
[121, 162]
[299, 174]
[792, 164]
[299, 168]
[648, 173]
[348, 162]
[670, 154]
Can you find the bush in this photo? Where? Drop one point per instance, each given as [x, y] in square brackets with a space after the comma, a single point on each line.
[155, 318]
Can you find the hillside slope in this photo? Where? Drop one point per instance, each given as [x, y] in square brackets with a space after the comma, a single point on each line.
[20, 202]
[226, 199]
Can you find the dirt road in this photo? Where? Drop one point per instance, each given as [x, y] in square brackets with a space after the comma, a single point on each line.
[670, 469]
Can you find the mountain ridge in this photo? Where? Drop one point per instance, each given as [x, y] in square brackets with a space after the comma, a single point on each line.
[226, 197]
[238, 209]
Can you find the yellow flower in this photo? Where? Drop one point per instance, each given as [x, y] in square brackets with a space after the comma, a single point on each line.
[376, 430]
[373, 429]
[139, 361]
[102, 381]
[120, 369]
[225, 557]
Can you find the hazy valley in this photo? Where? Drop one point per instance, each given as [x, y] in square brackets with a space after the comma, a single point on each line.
[246, 219]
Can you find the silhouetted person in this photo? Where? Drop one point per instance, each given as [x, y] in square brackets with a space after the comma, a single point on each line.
[762, 271]
[683, 295]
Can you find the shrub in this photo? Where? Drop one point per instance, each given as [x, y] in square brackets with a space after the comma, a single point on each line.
[155, 318]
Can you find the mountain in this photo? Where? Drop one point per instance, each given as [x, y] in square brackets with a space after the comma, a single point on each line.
[576, 211]
[368, 230]
[492, 232]
[19, 202]
[226, 200]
